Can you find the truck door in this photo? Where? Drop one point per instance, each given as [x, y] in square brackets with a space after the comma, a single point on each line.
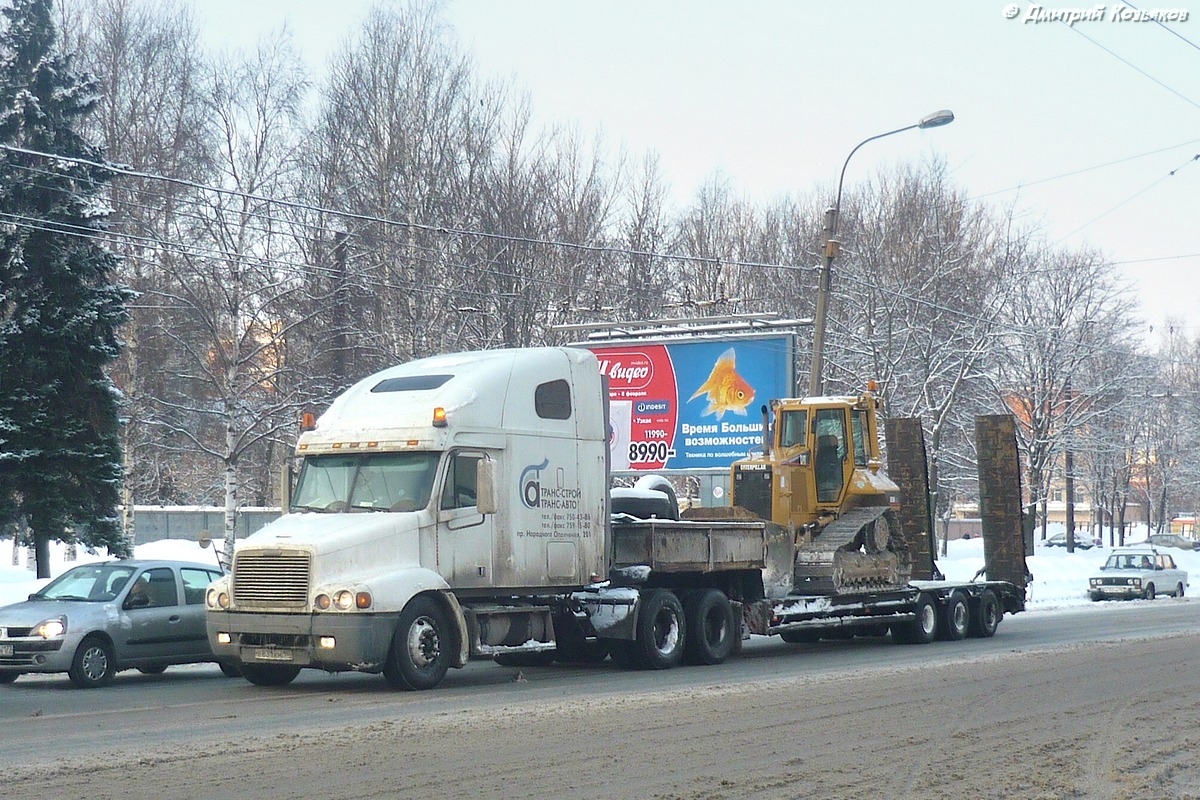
[464, 534]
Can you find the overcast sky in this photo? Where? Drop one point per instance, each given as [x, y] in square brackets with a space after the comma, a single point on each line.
[1078, 126]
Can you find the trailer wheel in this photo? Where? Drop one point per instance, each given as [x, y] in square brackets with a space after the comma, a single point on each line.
[661, 631]
[269, 674]
[922, 629]
[956, 618]
[420, 652]
[985, 617]
[710, 627]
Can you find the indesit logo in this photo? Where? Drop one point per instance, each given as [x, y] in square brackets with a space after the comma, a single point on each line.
[531, 484]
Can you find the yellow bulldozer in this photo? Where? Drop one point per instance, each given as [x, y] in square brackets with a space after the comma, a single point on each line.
[819, 474]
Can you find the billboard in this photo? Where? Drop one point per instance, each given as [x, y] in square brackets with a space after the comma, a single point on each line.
[691, 404]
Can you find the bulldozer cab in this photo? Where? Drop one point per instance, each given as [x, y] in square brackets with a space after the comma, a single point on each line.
[811, 453]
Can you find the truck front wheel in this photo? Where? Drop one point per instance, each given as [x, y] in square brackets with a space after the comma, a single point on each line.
[420, 652]
[269, 674]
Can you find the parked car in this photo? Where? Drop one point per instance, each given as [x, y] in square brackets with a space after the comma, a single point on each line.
[1172, 540]
[1138, 571]
[96, 619]
[1083, 540]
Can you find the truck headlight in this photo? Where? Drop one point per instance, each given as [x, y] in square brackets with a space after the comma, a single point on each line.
[344, 599]
[216, 599]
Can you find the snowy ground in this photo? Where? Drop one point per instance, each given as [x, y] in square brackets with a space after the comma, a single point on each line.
[1059, 579]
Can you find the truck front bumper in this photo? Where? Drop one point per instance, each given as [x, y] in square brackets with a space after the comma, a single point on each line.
[332, 642]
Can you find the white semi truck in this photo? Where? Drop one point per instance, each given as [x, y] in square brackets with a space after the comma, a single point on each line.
[459, 507]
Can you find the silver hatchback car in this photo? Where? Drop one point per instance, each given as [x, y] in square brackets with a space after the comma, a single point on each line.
[96, 619]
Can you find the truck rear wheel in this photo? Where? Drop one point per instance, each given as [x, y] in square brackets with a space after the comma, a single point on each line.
[661, 631]
[922, 629]
[956, 618]
[710, 627]
[420, 652]
[985, 616]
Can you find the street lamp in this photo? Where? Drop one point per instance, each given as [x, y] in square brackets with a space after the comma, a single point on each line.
[934, 120]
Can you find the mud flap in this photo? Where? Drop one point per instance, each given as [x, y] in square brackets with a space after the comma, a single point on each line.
[908, 468]
[1000, 500]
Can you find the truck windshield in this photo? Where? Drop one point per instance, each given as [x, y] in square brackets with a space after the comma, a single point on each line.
[366, 482]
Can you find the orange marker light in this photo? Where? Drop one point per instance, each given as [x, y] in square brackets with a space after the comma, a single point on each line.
[872, 386]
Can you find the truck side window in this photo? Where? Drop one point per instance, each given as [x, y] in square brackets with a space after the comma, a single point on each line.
[552, 400]
[459, 491]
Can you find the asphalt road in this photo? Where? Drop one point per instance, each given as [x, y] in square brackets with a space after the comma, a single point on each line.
[191, 732]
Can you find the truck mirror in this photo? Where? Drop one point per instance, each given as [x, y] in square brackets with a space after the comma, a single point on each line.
[485, 486]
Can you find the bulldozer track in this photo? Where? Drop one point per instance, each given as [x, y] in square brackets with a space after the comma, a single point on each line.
[835, 561]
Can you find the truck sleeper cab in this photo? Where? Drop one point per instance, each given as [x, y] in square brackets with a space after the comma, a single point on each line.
[430, 496]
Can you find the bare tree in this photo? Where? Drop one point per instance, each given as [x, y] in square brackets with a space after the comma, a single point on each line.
[1067, 311]
[149, 118]
[233, 289]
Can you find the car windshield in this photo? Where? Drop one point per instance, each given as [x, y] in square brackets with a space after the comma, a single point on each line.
[96, 583]
[367, 482]
[1128, 561]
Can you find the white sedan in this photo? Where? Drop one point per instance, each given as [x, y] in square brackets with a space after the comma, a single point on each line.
[1138, 572]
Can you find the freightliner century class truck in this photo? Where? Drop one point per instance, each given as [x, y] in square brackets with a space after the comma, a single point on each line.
[459, 507]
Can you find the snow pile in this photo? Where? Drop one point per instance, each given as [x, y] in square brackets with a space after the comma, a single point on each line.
[1059, 579]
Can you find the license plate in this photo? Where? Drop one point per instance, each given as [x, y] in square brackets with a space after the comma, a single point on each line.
[272, 654]
[6, 649]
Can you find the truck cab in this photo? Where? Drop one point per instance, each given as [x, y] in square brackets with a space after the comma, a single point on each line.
[447, 485]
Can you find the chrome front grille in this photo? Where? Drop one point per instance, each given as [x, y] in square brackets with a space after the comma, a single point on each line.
[271, 579]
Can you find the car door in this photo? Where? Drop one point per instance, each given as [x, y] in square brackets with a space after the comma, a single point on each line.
[1172, 575]
[153, 616]
[193, 637]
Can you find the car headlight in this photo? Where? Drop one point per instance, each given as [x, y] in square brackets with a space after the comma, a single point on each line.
[50, 628]
[1135, 581]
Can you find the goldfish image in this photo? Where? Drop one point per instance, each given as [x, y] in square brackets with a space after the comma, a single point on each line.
[726, 390]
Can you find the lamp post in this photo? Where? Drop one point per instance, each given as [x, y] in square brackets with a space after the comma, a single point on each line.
[832, 246]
